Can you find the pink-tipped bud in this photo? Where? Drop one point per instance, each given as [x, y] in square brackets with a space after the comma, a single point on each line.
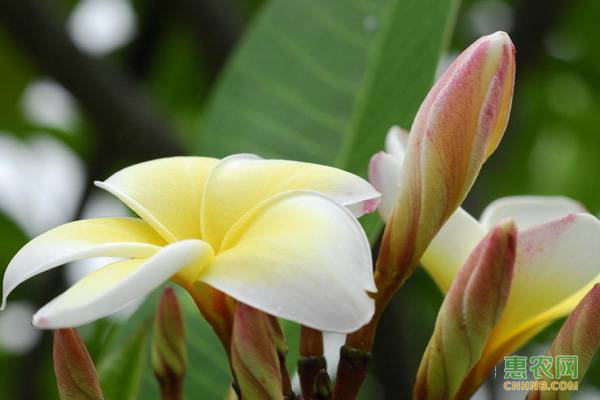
[467, 317]
[457, 127]
[579, 337]
[254, 355]
[169, 351]
[74, 369]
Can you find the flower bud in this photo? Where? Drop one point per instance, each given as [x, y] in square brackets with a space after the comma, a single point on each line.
[254, 355]
[457, 127]
[467, 317]
[169, 352]
[579, 337]
[74, 369]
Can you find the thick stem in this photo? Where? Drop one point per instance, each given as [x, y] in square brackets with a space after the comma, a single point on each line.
[311, 361]
[352, 371]
[322, 387]
[170, 388]
[311, 342]
[309, 368]
[351, 376]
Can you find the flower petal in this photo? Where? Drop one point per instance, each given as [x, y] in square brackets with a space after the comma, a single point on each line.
[166, 193]
[114, 286]
[556, 265]
[300, 256]
[451, 247]
[240, 182]
[396, 142]
[528, 211]
[384, 174]
[111, 237]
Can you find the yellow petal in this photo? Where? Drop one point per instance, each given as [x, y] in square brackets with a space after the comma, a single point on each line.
[99, 237]
[116, 285]
[556, 264]
[300, 256]
[166, 193]
[451, 247]
[240, 182]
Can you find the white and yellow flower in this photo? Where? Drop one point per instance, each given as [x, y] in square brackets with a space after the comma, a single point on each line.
[558, 248]
[273, 234]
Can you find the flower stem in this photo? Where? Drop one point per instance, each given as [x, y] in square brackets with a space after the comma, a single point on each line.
[171, 389]
[352, 371]
[311, 361]
[355, 355]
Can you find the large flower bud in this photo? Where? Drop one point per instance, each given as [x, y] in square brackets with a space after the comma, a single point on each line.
[467, 317]
[458, 126]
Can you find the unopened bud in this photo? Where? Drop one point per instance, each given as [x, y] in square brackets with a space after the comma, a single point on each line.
[169, 351]
[457, 127]
[74, 369]
[254, 355]
[467, 317]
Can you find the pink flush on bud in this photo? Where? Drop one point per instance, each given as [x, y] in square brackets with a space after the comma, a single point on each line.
[463, 118]
[457, 127]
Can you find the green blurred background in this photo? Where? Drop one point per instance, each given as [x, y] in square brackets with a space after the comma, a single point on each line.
[89, 86]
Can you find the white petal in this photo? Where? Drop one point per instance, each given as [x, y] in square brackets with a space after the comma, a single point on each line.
[332, 342]
[528, 211]
[301, 256]
[240, 182]
[396, 142]
[384, 174]
[114, 286]
[555, 263]
[451, 247]
[111, 237]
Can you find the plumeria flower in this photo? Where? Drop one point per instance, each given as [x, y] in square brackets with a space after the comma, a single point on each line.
[556, 264]
[273, 234]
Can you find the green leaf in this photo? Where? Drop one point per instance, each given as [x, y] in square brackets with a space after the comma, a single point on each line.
[121, 371]
[324, 81]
